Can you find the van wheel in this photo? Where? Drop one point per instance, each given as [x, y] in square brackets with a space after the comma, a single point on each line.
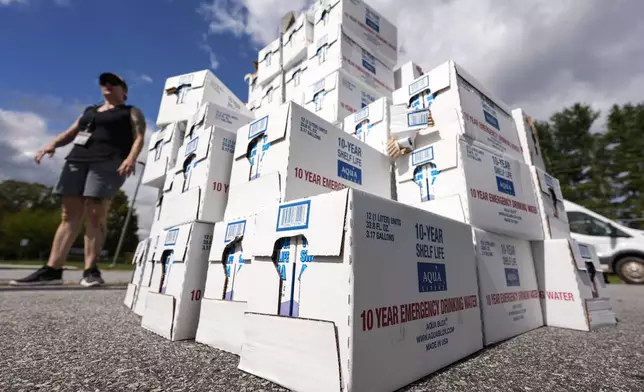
[630, 269]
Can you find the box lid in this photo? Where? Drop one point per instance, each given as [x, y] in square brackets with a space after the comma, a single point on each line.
[374, 113]
[320, 219]
[435, 80]
[274, 125]
[442, 154]
[176, 239]
[295, 27]
[230, 232]
[300, 67]
[194, 80]
[322, 8]
[330, 37]
[194, 150]
[271, 47]
[326, 84]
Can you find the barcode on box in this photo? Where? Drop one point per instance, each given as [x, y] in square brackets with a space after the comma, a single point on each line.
[171, 237]
[192, 146]
[361, 114]
[419, 85]
[294, 216]
[415, 119]
[422, 156]
[235, 229]
[585, 252]
[257, 127]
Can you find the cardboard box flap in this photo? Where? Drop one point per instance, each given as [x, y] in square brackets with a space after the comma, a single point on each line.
[158, 137]
[293, 30]
[549, 185]
[300, 67]
[322, 9]
[475, 83]
[197, 119]
[270, 48]
[326, 84]
[319, 219]
[441, 155]
[176, 239]
[373, 113]
[589, 255]
[169, 180]
[158, 316]
[195, 149]
[435, 80]
[330, 37]
[229, 232]
[301, 345]
[192, 80]
[579, 261]
[273, 125]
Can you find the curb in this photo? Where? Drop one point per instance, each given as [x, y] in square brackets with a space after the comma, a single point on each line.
[61, 288]
[29, 267]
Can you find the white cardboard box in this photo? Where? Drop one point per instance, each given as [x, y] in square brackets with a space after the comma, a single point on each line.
[554, 219]
[162, 153]
[291, 154]
[465, 180]
[336, 96]
[365, 25]
[508, 286]
[335, 50]
[452, 95]
[407, 73]
[296, 40]
[361, 324]
[370, 124]
[269, 62]
[138, 260]
[254, 91]
[529, 139]
[571, 297]
[184, 94]
[200, 180]
[272, 96]
[155, 243]
[296, 79]
[173, 302]
[228, 286]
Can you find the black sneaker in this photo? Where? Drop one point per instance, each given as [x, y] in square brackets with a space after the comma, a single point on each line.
[43, 276]
[92, 277]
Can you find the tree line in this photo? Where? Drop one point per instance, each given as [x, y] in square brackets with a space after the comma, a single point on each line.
[598, 165]
[30, 211]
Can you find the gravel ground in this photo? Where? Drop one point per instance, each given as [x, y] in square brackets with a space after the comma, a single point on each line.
[68, 341]
[69, 276]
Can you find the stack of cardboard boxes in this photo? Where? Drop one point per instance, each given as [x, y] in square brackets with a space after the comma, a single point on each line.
[279, 233]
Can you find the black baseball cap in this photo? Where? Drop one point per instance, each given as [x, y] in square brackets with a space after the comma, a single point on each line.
[113, 79]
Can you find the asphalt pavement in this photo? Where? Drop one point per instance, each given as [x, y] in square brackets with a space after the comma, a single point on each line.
[89, 341]
[69, 276]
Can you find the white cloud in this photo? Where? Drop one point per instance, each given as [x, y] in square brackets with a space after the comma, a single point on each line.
[214, 62]
[60, 3]
[24, 133]
[9, 2]
[146, 78]
[537, 54]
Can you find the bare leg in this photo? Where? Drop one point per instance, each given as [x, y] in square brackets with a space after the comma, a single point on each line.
[95, 229]
[70, 225]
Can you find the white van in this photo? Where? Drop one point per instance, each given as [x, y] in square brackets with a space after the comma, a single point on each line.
[620, 248]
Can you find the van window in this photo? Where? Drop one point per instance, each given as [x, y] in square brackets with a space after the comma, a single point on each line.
[585, 224]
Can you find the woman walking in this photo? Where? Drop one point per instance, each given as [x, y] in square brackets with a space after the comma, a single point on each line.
[107, 139]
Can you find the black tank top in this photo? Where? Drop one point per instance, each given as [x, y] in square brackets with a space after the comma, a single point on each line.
[112, 135]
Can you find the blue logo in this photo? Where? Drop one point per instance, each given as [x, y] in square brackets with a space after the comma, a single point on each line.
[512, 277]
[293, 216]
[368, 62]
[584, 251]
[349, 172]
[505, 186]
[490, 119]
[431, 277]
[372, 20]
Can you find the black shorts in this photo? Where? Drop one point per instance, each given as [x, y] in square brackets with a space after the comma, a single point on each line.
[91, 179]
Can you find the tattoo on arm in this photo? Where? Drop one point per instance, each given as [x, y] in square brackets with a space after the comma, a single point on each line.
[138, 122]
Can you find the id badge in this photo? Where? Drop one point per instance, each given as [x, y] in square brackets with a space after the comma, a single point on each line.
[82, 137]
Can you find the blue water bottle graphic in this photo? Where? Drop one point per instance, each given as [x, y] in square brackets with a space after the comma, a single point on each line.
[167, 265]
[301, 265]
[286, 270]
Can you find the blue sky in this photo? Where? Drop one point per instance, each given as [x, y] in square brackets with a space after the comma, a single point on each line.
[56, 49]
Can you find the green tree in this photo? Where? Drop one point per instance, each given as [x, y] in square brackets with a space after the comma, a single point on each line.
[18, 195]
[571, 154]
[623, 145]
